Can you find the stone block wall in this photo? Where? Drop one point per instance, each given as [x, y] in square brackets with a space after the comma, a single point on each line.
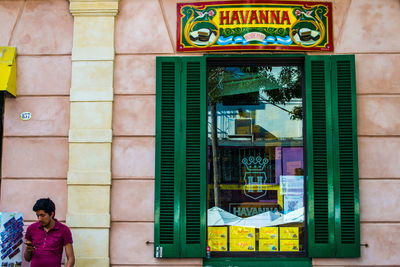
[361, 27]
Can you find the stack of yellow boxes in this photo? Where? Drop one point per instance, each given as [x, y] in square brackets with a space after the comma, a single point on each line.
[289, 238]
[268, 240]
[242, 238]
[218, 238]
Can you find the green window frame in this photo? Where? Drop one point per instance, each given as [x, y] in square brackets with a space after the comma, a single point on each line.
[333, 225]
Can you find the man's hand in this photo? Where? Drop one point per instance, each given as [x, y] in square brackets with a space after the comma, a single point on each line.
[29, 246]
[28, 250]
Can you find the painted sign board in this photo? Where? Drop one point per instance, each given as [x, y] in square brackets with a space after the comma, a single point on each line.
[254, 25]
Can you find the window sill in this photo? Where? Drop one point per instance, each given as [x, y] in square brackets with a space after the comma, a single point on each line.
[257, 262]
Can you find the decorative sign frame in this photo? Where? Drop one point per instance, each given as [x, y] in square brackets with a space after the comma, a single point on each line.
[254, 25]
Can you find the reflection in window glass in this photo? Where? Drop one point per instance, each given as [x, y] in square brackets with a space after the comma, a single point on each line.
[255, 159]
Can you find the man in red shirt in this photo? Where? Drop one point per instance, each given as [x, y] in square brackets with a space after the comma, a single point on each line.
[46, 238]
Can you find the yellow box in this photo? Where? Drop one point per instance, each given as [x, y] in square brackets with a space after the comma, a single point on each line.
[217, 232]
[289, 245]
[269, 232]
[289, 232]
[268, 245]
[218, 244]
[242, 244]
[242, 232]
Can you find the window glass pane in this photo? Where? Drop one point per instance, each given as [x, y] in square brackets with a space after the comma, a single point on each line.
[255, 160]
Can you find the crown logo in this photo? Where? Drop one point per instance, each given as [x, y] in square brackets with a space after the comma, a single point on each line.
[255, 164]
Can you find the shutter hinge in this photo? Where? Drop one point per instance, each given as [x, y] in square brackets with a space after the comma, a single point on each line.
[159, 250]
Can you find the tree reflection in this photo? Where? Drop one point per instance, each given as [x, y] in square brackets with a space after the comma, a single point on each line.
[250, 84]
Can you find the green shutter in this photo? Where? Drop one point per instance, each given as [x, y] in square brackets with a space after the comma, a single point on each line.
[180, 206]
[193, 223]
[320, 201]
[167, 202]
[347, 217]
[332, 168]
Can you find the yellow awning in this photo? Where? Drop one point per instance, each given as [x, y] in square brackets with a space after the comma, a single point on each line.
[8, 70]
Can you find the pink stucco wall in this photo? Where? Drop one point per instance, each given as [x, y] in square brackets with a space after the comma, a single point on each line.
[35, 152]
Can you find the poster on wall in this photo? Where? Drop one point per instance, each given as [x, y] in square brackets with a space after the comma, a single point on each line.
[249, 25]
[292, 184]
[11, 234]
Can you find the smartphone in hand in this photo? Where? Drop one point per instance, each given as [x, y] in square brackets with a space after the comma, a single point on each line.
[29, 244]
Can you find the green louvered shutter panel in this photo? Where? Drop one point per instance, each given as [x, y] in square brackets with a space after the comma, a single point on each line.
[332, 161]
[193, 218]
[167, 204]
[320, 195]
[180, 206]
[347, 221]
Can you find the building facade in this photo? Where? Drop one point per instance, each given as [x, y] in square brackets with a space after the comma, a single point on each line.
[86, 72]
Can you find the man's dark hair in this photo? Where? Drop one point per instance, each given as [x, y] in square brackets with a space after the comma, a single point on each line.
[45, 204]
